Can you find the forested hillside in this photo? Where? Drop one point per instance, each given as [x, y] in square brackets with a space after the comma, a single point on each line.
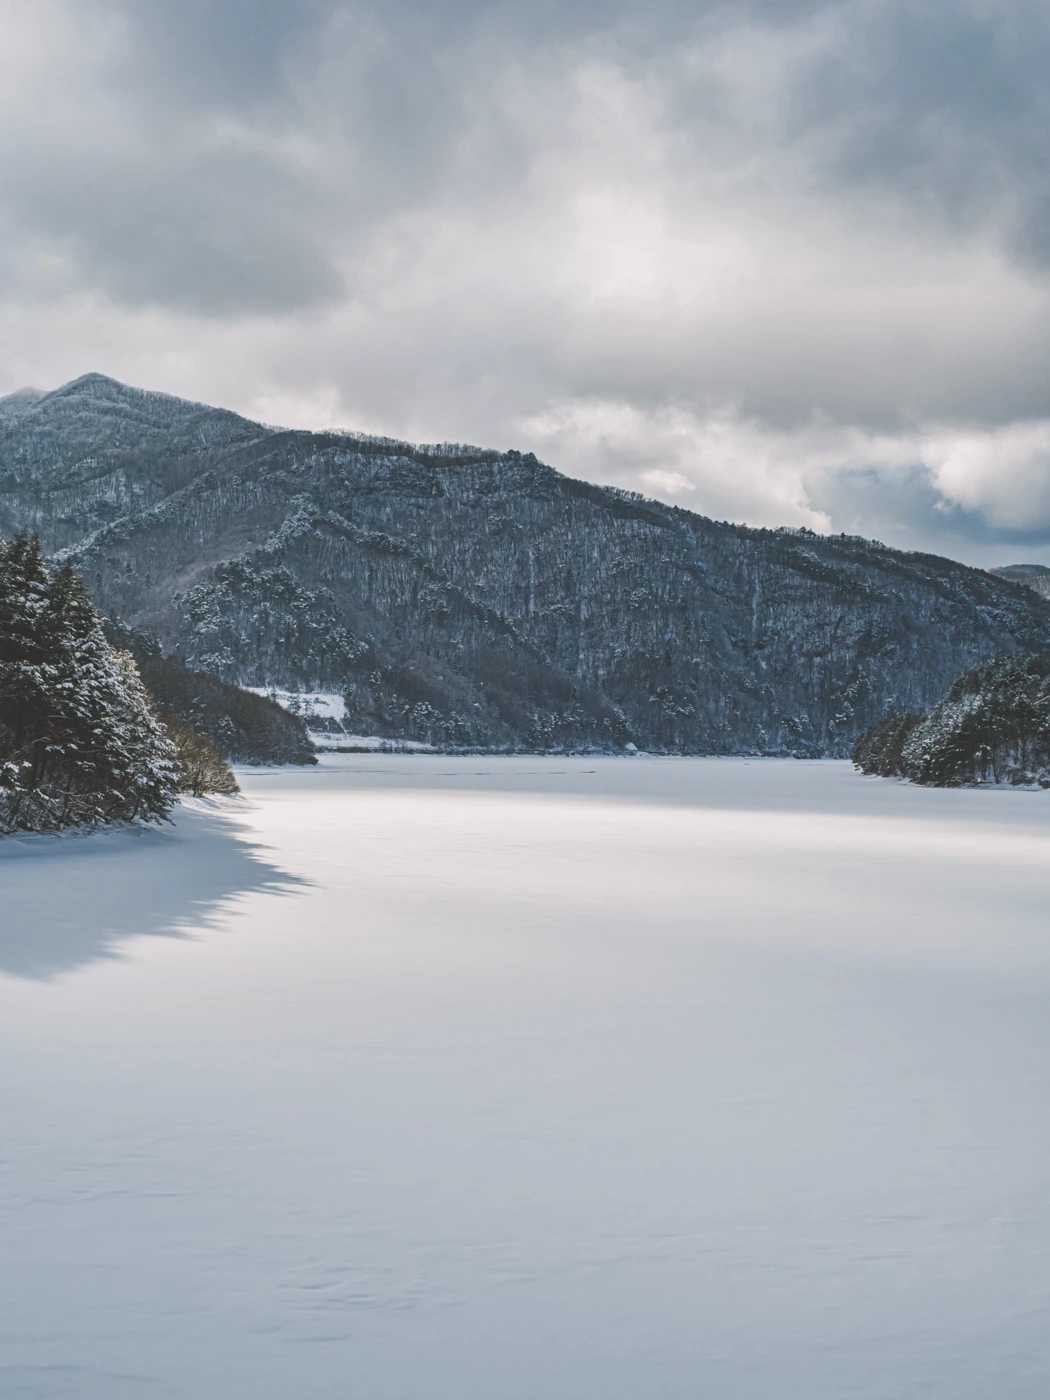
[465, 596]
[992, 726]
[244, 728]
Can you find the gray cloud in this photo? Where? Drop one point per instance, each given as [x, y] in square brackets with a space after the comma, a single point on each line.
[780, 261]
[212, 231]
[225, 57]
[944, 113]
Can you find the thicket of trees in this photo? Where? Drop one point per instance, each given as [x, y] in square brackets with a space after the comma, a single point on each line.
[244, 728]
[880, 749]
[80, 742]
[993, 725]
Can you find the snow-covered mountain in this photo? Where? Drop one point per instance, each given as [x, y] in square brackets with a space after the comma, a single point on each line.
[1033, 576]
[461, 595]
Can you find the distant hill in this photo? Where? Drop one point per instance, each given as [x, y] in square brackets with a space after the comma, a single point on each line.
[463, 596]
[1033, 576]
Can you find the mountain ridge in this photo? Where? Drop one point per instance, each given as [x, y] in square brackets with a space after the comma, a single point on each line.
[463, 595]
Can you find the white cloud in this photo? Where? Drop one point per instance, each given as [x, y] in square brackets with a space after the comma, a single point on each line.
[1004, 474]
[666, 483]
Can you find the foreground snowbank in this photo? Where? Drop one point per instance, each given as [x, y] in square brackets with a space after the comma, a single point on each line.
[70, 900]
[524, 1077]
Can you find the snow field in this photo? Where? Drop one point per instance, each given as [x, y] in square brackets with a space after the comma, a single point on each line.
[532, 1077]
[328, 709]
[310, 704]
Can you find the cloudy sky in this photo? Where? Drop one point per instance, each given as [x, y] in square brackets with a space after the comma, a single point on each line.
[782, 261]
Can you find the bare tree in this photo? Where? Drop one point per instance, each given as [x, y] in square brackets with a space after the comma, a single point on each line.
[202, 770]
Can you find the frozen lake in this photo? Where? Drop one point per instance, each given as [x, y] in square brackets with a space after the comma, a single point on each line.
[532, 1079]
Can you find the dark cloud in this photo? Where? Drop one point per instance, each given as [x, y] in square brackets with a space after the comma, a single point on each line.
[212, 232]
[944, 111]
[223, 56]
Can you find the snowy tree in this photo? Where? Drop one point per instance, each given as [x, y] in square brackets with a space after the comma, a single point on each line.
[879, 749]
[79, 743]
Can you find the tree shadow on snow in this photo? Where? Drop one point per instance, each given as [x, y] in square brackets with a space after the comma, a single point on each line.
[69, 901]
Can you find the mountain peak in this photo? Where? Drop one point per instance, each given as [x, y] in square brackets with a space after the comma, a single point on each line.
[101, 385]
[94, 390]
[477, 599]
[93, 377]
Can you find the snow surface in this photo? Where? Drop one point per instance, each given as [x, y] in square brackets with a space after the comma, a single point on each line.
[531, 1079]
[310, 704]
[329, 709]
[366, 743]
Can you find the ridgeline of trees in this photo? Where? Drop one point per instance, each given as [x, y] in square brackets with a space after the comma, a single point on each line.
[80, 742]
[992, 726]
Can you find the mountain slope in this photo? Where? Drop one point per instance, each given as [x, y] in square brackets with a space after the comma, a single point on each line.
[1033, 576]
[81, 457]
[466, 596]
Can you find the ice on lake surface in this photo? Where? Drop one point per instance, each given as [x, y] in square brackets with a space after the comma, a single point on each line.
[424, 1078]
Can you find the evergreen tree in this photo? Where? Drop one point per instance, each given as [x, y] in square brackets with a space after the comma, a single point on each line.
[79, 743]
[880, 748]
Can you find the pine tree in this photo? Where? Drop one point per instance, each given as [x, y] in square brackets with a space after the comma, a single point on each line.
[879, 749]
[79, 743]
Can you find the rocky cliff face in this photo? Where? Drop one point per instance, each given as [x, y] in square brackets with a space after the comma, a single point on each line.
[465, 596]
